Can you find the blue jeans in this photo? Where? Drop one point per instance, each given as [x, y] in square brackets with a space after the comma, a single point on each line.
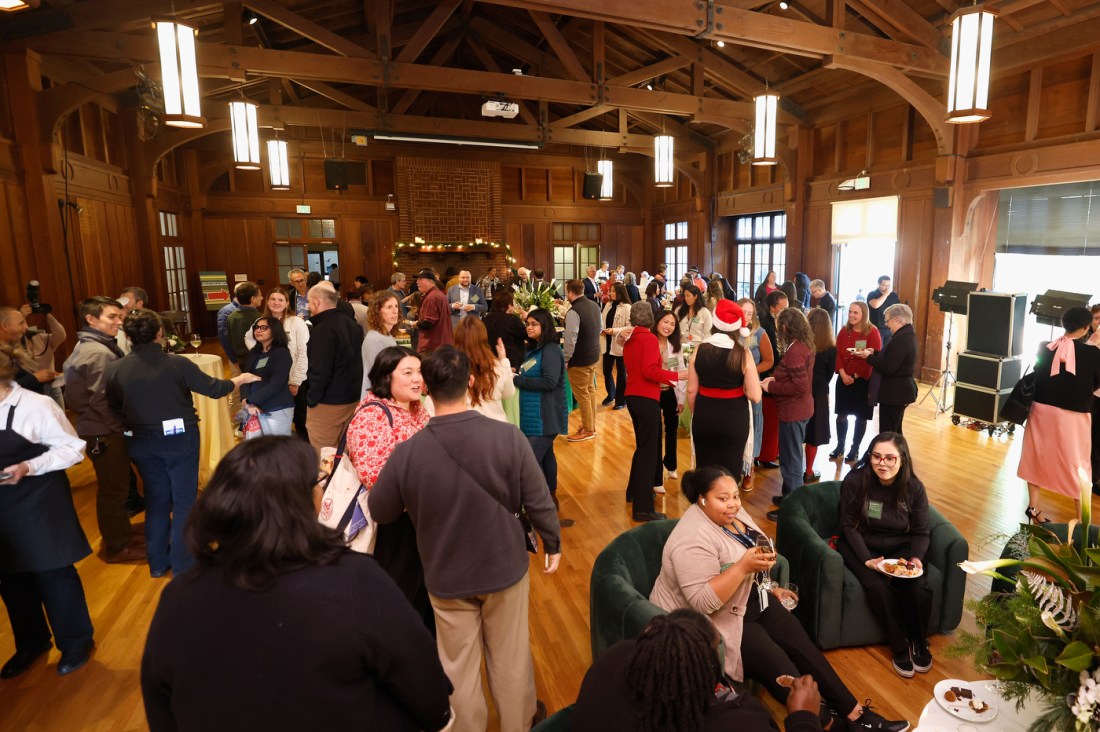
[791, 466]
[169, 467]
[278, 422]
[757, 426]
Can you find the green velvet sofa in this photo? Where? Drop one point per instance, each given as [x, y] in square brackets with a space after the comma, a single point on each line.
[622, 578]
[556, 722]
[832, 605]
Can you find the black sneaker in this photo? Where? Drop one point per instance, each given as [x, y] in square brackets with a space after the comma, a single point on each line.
[608, 401]
[872, 720]
[903, 664]
[921, 657]
[773, 515]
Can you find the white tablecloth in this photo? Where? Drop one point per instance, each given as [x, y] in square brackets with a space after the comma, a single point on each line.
[935, 718]
[215, 429]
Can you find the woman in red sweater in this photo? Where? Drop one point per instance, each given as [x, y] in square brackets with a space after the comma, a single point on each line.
[644, 377]
[791, 385]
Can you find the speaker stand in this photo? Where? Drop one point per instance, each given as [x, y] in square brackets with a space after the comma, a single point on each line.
[947, 377]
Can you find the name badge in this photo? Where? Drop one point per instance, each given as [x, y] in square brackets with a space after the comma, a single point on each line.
[861, 345]
[173, 426]
[874, 509]
[262, 362]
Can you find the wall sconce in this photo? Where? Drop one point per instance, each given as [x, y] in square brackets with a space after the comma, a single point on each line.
[246, 136]
[607, 188]
[662, 161]
[390, 205]
[763, 152]
[971, 45]
[179, 74]
[277, 165]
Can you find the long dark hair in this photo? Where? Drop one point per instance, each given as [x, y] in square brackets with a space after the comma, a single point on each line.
[256, 518]
[673, 670]
[278, 333]
[866, 474]
[546, 321]
[685, 309]
[381, 372]
[674, 337]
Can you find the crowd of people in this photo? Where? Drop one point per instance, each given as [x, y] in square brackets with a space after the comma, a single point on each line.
[405, 383]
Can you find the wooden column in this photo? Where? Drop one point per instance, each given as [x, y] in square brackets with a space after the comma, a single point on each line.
[143, 193]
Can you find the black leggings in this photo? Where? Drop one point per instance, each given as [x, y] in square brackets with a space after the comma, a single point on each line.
[616, 385]
[904, 604]
[672, 425]
[774, 644]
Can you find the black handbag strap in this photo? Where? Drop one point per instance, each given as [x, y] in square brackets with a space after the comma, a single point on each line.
[463, 469]
[341, 453]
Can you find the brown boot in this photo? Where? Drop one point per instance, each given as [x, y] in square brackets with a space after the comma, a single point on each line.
[130, 553]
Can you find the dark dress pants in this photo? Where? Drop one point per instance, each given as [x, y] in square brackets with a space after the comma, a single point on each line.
[904, 604]
[614, 378]
[300, 412]
[774, 644]
[671, 417]
[56, 595]
[169, 467]
[543, 447]
[890, 417]
[645, 466]
[113, 474]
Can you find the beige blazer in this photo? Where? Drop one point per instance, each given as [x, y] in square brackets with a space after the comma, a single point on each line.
[694, 554]
[619, 327]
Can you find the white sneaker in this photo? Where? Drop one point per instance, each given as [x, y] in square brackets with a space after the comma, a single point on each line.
[672, 475]
[659, 489]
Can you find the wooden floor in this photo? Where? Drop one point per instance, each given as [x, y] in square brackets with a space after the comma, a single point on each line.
[970, 477]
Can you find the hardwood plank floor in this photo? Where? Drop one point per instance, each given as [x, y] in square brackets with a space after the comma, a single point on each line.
[970, 477]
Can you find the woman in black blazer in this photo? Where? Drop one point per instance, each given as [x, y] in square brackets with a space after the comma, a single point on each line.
[892, 383]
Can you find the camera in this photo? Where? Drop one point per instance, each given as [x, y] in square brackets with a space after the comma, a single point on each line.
[37, 306]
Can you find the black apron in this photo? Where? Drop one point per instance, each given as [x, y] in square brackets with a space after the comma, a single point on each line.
[39, 530]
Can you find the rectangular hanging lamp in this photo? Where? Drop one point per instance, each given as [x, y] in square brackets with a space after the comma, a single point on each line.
[607, 188]
[277, 165]
[663, 171]
[246, 136]
[179, 74]
[971, 47]
[763, 136]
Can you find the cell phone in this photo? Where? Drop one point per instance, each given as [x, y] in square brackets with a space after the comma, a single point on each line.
[6, 476]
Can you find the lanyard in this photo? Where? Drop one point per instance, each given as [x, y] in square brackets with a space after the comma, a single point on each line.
[742, 538]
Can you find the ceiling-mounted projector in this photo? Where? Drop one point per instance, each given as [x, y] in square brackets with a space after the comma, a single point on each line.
[508, 110]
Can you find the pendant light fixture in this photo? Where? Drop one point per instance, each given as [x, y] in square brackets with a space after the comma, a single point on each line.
[763, 137]
[662, 161]
[278, 167]
[971, 45]
[607, 188]
[179, 74]
[246, 136]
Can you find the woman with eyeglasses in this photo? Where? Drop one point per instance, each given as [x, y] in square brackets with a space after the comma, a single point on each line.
[280, 307]
[541, 383]
[884, 515]
[269, 400]
[892, 384]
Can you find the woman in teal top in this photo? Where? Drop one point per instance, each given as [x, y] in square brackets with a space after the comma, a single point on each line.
[541, 383]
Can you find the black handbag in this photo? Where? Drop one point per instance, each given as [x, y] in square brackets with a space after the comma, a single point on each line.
[1018, 405]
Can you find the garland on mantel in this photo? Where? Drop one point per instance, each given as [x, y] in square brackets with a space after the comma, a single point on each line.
[451, 246]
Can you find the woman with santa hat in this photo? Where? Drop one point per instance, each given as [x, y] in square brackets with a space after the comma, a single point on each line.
[722, 380]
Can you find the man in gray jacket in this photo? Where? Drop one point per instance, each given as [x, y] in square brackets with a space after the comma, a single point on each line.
[465, 299]
[471, 542]
[99, 426]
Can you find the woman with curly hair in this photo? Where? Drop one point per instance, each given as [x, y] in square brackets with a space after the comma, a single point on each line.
[492, 372]
[383, 317]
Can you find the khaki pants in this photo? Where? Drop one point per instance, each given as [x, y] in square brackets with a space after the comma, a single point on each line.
[493, 625]
[582, 379]
[112, 474]
[326, 422]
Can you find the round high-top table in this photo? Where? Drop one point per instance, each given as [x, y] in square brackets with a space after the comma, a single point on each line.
[215, 429]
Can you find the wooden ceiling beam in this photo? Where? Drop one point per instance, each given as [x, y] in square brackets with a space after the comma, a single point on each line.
[490, 64]
[111, 14]
[428, 30]
[599, 52]
[661, 68]
[561, 47]
[308, 29]
[735, 25]
[546, 62]
[582, 116]
[330, 92]
[382, 20]
[440, 57]
[902, 17]
[659, 123]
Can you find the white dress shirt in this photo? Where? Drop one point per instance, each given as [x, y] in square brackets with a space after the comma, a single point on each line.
[39, 420]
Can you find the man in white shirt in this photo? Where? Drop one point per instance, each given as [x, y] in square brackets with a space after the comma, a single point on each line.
[604, 272]
[465, 299]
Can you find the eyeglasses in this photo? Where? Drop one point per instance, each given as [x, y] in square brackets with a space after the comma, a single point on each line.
[887, 460]
[261, 327]
[533, 324]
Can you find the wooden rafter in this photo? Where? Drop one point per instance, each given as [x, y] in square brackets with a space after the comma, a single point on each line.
[489, 64]
[899, 21]
[561, 47]
[582, 116]
[546, 63]
[330, 92]
[667, 66]
[428, 30]
[440, 57]
[308, 29]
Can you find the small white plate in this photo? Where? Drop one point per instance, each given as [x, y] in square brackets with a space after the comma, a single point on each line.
[962, 708]
[884, 562]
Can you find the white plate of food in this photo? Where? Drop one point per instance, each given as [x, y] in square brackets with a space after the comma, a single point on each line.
[901, 568]
[968, 701]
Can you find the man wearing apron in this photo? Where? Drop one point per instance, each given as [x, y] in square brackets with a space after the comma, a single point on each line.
[40, 536]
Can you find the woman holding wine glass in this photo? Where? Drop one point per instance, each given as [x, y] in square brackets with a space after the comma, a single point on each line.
[716, 561]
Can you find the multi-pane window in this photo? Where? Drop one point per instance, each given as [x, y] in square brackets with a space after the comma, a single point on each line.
[571, 261]
[305, 228]
[761, 247]
[675, 254]
[175, 263]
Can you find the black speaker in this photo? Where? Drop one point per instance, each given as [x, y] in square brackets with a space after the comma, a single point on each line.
[593, 182]
[995, 323]
[336, 175]
[983, 405]
[989, 372]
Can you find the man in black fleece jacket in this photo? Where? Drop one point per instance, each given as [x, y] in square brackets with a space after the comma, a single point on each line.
[335, 372]
[470, 541]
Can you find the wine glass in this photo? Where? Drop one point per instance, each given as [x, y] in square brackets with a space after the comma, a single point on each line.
[196, 341]
[764, 544]
[790, 601]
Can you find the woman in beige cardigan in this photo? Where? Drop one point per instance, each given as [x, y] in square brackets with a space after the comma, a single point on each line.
[711, 564]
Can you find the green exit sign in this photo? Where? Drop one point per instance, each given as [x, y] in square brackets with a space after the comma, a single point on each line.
[303, 208]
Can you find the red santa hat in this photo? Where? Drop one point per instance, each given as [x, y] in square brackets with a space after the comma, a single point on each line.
[728, 317]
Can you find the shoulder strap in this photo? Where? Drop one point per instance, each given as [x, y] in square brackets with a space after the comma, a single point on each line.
[463, 469]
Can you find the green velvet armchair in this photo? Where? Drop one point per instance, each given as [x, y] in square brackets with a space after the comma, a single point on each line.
[622, 578]
[556, 722]
[832, 605]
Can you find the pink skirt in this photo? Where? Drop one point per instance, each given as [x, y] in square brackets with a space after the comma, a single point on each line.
[1056, 443]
